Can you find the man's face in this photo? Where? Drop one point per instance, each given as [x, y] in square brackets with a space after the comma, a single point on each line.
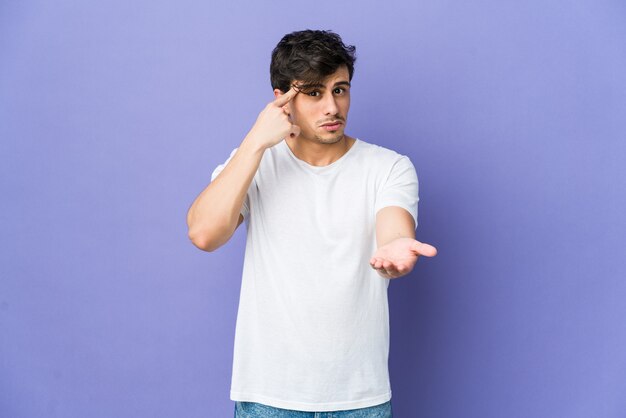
[321, 110]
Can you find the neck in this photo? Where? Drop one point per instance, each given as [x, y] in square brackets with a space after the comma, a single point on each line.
[318, 153]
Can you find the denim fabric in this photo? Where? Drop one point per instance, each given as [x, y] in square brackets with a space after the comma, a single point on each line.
[258, 410]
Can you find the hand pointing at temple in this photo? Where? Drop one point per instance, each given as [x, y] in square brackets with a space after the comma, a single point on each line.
[273, 123]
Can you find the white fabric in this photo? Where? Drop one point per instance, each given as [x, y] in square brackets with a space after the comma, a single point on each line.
[312, 331]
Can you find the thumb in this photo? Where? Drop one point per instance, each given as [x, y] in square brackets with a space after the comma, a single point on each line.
[424, 249]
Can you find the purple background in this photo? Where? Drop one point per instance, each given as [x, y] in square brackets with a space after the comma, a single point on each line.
[114, 114]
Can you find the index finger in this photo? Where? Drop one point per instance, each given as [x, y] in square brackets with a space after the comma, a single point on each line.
[285, 98]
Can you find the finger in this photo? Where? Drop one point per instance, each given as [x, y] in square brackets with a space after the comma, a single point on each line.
[280, 101]
[424, 249]
[390, 273]
[383, 273]
[390, 268]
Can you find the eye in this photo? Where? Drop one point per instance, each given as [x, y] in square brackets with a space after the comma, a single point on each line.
[313, 93]
[339, 90]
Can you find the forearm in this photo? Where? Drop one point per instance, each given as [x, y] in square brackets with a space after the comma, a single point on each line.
[393, 222]
[213, 216]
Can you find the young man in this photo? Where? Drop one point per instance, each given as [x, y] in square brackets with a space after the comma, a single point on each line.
[330, 220]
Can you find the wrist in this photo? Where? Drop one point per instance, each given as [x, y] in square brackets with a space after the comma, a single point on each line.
[251, 143]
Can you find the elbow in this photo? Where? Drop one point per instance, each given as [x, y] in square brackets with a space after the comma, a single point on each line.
[209, 237]
[203, 241]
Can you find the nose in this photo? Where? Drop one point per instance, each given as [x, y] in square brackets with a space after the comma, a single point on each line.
[330, 105]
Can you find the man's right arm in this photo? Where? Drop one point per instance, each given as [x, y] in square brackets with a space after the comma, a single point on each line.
[215, 214]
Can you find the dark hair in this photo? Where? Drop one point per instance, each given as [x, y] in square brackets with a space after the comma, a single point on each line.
[310, 56]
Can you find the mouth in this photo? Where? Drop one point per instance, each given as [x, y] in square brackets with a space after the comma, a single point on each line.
[331, 126]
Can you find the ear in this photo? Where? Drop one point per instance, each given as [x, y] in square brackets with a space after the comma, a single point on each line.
[278, 93]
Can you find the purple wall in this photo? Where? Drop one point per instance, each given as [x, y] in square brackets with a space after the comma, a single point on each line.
[113, 116]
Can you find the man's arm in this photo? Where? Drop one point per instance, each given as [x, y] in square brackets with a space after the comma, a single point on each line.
[398, 250]
[215, 213]
[393, 222]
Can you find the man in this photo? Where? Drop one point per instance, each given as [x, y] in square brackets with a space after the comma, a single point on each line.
[330, 220]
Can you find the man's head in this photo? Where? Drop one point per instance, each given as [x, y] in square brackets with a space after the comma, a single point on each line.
[320, 66]
[309, 56]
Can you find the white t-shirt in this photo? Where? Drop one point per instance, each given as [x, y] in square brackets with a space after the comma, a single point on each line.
[312, 331]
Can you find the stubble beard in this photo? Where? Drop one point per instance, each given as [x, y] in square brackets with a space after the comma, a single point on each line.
[331, 140]
[327, 138]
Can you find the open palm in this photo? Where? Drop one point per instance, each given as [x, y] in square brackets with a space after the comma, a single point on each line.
[398, 257]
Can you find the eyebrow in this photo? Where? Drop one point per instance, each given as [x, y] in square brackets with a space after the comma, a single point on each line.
[321, 86]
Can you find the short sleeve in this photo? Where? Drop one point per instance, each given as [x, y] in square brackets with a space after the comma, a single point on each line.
[245, 209]
[401, 188]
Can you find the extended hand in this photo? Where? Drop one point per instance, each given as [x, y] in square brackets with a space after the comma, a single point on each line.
[398, 257]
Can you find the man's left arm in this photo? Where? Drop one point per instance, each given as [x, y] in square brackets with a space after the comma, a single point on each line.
[398, 250]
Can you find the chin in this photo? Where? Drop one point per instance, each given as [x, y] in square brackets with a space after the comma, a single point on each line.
[331, 138]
